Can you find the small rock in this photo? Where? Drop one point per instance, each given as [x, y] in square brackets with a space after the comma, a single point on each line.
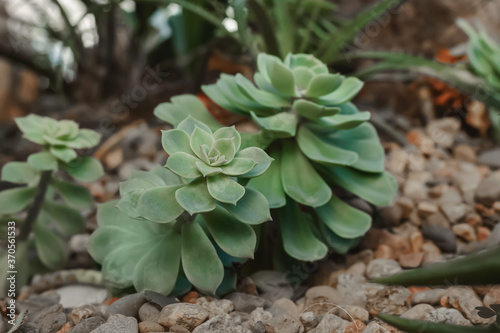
[490, 158]
[87, 311]
[492, 296]
[358, 268]
[320, 299]
[273, 285]
[221, 324]
[247, 303]
[128, 306]
[283, 323]
[65, 328]
[355, 327]
[87, 325]
[488, 190]
[309, 320]
[392, 214]
[77, 295]
[416, 241]
[444, 238]
[384, 251]
[465, 300]
[352, 312]
[382, 267]
[494, 238]
[465, 231]
[397, 161]
[159, 299]
[483, 233]
[331, 323]
[418, 312]
[150, 326]
[432, 296]
[118, 324]
[454, 212]
[427, 208]
[415, 189]
[392, 300]
[149, 312]
[179, 329]
[437, 219]
[443, 131]
[247, 286]
[288, 306]
[183, 314]
[411, 260]
[447, 316]
[464, 153]
[190, 297]
[351, 289]
[215, 307]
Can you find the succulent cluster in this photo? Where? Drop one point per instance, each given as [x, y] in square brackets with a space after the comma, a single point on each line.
[182, 224]
[318, 139]
[38, 188]
[483, 53]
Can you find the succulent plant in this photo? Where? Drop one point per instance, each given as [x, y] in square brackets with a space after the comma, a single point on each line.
[39, 185]
[317, 139]
[185, 223]
[483, 53]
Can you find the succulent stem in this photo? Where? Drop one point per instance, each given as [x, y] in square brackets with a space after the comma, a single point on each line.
[37, 205]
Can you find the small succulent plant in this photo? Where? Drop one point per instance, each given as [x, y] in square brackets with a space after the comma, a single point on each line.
[185, 223]
[483, 53]
[39, 186]
[317, 138]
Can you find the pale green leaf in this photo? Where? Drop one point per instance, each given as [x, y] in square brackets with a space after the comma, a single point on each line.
[51, 249]
[64, 154]
[283, 124]
[15, 199]
[159, 204]
[42, 161]
[175, 141]
[68, 220]
[184, 165]
[257, 155]
[85, 169]
[195, 198]
[238, 166]
[313, 111]
[252, 208]
[223, 189]
[19, 173]
[74, 195]
[269, 183]
[323, 84]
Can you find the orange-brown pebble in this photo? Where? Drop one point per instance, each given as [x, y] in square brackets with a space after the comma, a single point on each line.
[355, 327]
[384, 252]
[483, 233]
[191, 297]
[65, 329]
[111, 300]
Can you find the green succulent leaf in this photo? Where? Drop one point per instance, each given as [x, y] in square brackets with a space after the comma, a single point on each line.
[303, 76]
[159, 204]
[175, 111]
[139, 253]
[258, 156]
[297, 235]
[349, 88]
[195, 198]
[313, 111]
[15, 199]
[199, 138]
[189, 124]
[51, 249]
[207, 170]
[85, 138]
[228, 133]
[226, 148]
[269, 183]
[19, 173]
[199, 259]
[263, 97]
[30, 126]
[339, 244]
[68, 220]
[376, 188]
[63, 153]
[175, 141]
[339, 122]
[283, 124]
[320, 151]
[235, 238]
[74, 195]
[84, 169]
[323, 84]
[238, 166]
[184, 165]
[305, 186]
[223, 189]
[42, 161]
[343, 219]
[364, 141]
[281, 77]
[252, 208]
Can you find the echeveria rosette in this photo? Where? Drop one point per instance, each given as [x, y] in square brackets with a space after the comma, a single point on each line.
[167, 257]
[59, 140]
[319, 139]
[483, 53]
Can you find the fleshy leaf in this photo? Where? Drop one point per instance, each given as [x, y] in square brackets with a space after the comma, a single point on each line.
[51, 249]
[269, 183]
[323, 84]
[257, 155]
[349, 88]
[199, 259]
[226, 148]
[200, 137]
[228, 133]
[195, 198]
[207, 170]
[238, 166]
[283, 124]
[16, 199]
[222, 188]
[298, 238]
[68, 220]
[321, 151]
[64, 154]
[281, 77]
[189, 124]
[184, 165]
[159, 204]
[85, 169]
[85, 138]
[343, 219]
[43, 161]
[19, 173]
[300, 180]
[235, 238]
[252, 208]
[175, 141]
[312, 110]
